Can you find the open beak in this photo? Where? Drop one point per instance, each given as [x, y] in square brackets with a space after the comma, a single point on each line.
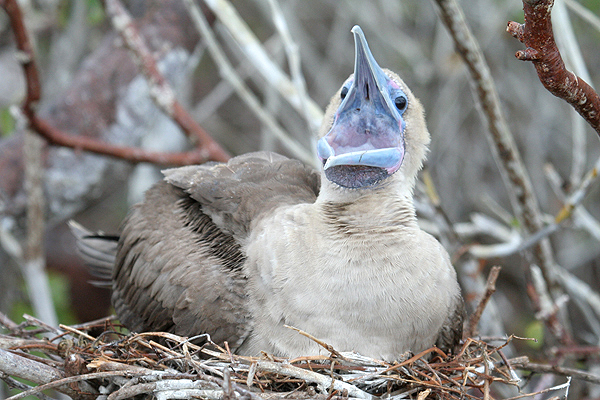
[368, 129]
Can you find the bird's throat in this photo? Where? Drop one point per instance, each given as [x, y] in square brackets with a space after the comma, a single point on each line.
[355, 176]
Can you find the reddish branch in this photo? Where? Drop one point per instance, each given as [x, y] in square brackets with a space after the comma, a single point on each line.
[536, 34]
[551, 318]
[207, 148]
[160, 89]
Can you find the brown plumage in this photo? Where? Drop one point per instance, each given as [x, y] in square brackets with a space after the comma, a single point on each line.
[241, 249]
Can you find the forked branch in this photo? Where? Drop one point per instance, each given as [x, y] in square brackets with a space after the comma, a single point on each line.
[541, 49]
[207, 149]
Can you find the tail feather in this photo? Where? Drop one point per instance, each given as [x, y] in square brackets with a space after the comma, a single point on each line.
[98, 251]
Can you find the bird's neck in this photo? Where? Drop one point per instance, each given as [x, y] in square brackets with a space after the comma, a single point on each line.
[377, 207]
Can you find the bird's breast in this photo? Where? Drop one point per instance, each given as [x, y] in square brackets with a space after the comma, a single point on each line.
[372, 291]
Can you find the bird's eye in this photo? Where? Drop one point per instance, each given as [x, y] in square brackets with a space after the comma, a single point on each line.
[344, 92]
[400, 102]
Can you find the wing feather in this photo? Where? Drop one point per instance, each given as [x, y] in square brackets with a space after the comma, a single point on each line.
[179, 263]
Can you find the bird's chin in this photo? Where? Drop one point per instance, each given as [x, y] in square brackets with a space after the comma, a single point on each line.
[356, 176]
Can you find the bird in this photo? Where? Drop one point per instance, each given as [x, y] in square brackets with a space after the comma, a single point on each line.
[245, 249]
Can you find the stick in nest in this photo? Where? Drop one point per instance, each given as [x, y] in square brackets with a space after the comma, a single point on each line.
[490, 288]
[326, 346]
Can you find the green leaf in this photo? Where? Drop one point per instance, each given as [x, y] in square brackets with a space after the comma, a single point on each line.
[535, 329]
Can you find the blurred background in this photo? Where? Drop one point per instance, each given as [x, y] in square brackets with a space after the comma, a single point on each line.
[92, 87]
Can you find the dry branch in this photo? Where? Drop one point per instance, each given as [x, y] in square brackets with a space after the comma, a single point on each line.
[257, 55]
[160, 90]
[58, 137]
[228, 73]
[490, 288]
[36, 372]
[501, 140]
[524, 364]
[509, 160]
[536, 33]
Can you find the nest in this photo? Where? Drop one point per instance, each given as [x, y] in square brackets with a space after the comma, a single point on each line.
[117, 365]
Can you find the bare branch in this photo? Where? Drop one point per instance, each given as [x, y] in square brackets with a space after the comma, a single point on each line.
[228, 72]
[524, 364]
[501, 141]
[490, 288]
[56, 136]
[536, 33]
[257, 55]
[33, 371]
[160, 90]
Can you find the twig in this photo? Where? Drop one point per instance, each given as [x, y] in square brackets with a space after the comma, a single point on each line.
[257, 55]
[76, 378]
[490, 288]
[572, 203]
[565, 34]
[92, 324]
[547, 309]
[580, 290]
[323, 381]
[162, 389]
[228, 72]
[570, 207]
[33, 371]
[76, 331]
[19, 385]
[522, 364]
[565, 386]
[7, 322]
[486, 367]
[58, 137]
[321, 343]
[501, 141]
[33, 321]
[293, 58]
[536, 33]
[132, 154]
[579, 194]
[160, 91]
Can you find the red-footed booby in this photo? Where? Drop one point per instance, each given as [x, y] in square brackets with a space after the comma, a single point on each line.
[241, 249]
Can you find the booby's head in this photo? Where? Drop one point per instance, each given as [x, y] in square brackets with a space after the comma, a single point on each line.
[373, 127]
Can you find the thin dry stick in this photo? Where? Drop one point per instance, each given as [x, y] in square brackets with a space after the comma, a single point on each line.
[34, 260]
[33, 371]
[536, 33]
[76, 331]
[293, 58]
[13, 383]
[490, 288]
[77, 378]
[323, 381]
[228, 73]
[7, 322]
[501, 141]
[321, 343]
[552, 389]
[257, 55]
[507, 155]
